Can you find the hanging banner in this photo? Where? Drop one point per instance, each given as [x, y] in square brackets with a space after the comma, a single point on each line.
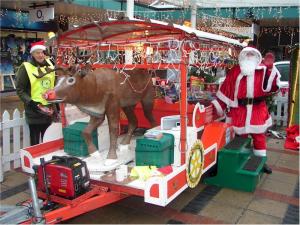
[241, 31]
[41, 14]
[20, 20]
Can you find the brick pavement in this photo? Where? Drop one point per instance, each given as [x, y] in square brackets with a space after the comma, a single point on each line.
[275, 201]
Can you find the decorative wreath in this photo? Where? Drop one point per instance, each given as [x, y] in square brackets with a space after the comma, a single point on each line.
[195, 164]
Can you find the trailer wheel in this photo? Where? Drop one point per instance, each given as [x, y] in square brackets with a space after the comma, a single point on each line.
[195, 164]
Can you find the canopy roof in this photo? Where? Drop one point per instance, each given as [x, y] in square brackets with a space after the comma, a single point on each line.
[134, 31]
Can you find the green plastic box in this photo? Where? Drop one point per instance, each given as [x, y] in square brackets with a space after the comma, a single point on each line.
[152, 152]
[74, 143]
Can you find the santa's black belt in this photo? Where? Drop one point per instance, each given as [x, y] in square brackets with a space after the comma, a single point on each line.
[250, 101]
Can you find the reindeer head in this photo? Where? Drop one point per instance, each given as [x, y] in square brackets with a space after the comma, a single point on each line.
[68, 85]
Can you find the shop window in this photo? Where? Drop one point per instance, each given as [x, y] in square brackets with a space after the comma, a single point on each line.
[8, 83]
[284, 71]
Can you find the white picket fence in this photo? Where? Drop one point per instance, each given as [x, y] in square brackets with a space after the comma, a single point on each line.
[15, 136]
[15, 132]
[280, 115]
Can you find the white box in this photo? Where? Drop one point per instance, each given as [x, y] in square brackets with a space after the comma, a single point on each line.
[191, 139]
[168, 122]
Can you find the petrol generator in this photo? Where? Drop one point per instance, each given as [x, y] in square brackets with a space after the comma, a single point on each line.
[63, 176]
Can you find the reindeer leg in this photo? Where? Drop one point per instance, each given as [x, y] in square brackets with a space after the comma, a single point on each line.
[113, 114]
[87, 132]
[132, 124]
[147, 104]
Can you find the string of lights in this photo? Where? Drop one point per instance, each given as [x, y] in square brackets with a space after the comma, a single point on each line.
[205, 22]
[202, 54]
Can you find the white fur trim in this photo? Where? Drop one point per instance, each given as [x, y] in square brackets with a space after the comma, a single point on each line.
[250, 49]
[218, 107]
[250, 86]
[260, 67]
[260, 152]
[38, 47]
[228, 120]
[231, 103]
[254, 129]
[236, 90]
[226, 100]
[248, 116]
[273, 74]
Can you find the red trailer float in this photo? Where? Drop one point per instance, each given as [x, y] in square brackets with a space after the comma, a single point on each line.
[128, 44]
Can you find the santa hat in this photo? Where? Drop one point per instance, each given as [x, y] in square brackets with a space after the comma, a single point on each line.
[40, 45]
[255, 51]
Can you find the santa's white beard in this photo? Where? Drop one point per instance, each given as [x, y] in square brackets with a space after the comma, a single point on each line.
[248, 67]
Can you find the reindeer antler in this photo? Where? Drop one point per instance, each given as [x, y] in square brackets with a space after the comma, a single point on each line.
[81, 58]
[48, 70]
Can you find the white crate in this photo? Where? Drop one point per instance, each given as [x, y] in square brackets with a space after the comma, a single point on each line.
[191, 139]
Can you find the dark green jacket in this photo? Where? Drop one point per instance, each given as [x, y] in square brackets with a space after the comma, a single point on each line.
[23, 88]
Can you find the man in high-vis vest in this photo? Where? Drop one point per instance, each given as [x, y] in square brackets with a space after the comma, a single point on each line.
[30, 87]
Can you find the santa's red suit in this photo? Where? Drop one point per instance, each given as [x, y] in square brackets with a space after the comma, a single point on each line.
[245, 96]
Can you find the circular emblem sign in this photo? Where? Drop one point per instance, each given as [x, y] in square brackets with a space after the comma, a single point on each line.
[46, 83]
[195, 164]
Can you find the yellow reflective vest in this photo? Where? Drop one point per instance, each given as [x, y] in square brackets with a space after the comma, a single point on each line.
[40, 85]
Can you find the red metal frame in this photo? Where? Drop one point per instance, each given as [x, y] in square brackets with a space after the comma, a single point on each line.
[122, 48]
[95, 190]
[160, 109]
[138, 66]
[107, 193]
[163, 27]
[63, 115]
[69, 211]
[138, 30]
[120, 188]
[183, 109]
[45, 148]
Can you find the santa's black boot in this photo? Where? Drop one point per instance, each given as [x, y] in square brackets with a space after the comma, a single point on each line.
[267, 169]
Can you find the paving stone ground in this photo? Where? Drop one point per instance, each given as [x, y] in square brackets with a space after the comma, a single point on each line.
[275, 201]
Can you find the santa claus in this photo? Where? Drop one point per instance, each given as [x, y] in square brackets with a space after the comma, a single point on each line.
[243, 93]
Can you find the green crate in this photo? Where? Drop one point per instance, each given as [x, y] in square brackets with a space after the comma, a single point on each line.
[74, 143]
[151, 152]
[147, 144]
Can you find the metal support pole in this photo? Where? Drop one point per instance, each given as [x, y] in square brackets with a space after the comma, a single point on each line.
[130, 9]
[194, 15]
[64, 121]
[35, 200]
[183, 108]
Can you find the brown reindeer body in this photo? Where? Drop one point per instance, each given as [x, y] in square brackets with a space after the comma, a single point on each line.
[103, 92]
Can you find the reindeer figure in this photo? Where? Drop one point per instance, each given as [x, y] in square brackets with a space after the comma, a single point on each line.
[103, 92]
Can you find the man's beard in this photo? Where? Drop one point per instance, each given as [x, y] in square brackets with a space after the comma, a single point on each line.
[248, 67]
